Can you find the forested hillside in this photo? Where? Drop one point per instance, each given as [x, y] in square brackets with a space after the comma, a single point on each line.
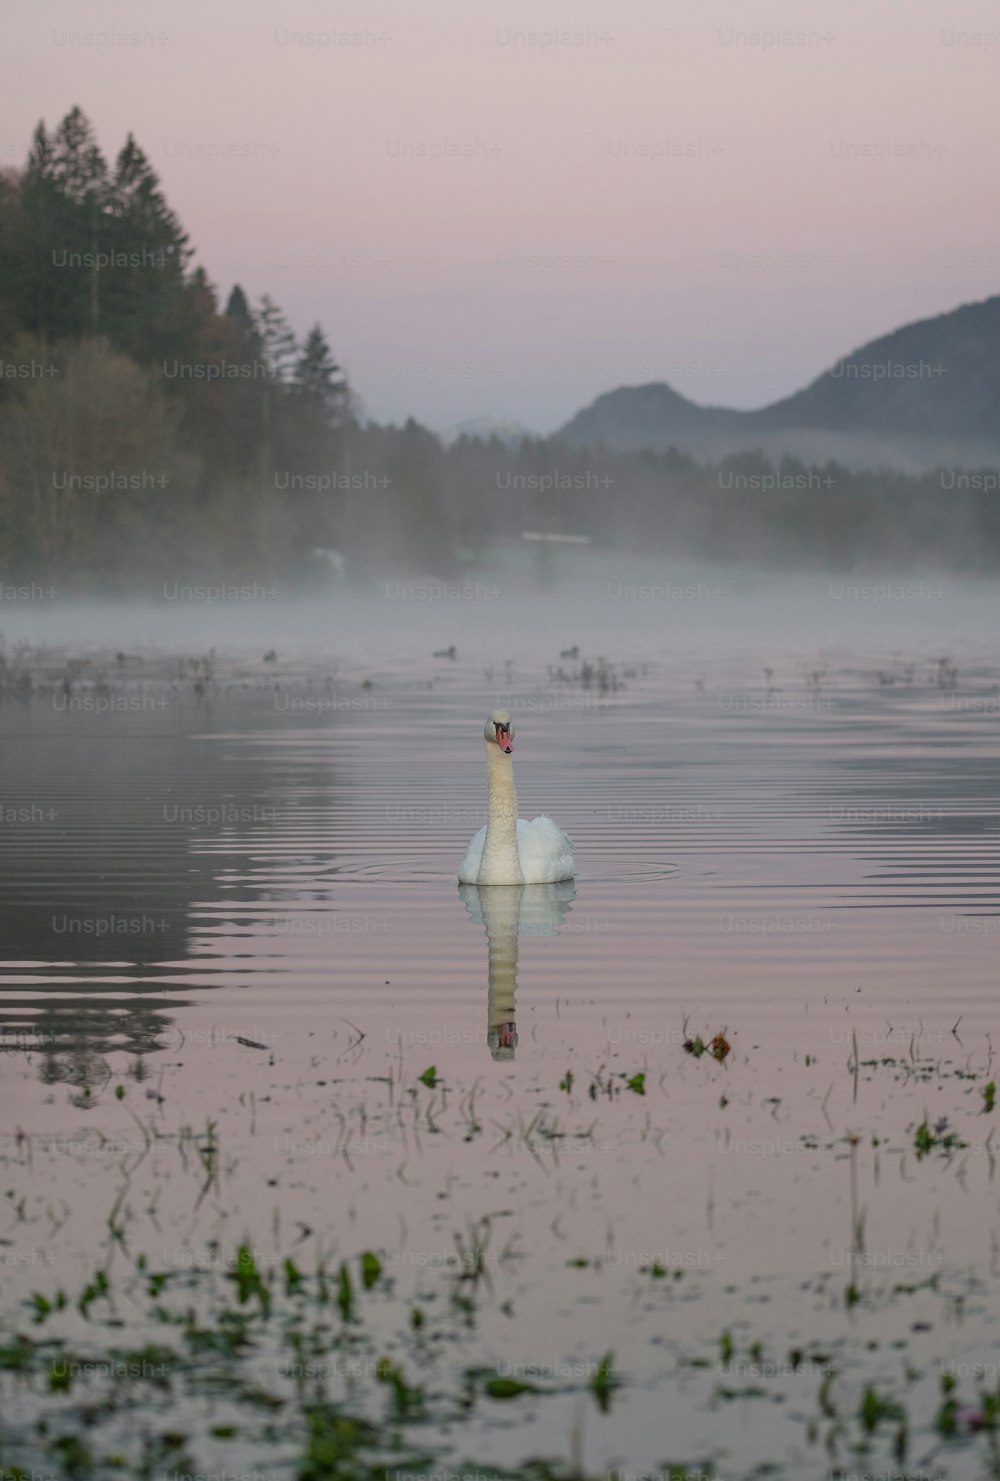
[145, 428]
[148, 433]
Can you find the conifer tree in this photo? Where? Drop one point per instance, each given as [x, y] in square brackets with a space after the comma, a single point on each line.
[318, 381]
[80, 174]
[65, 196]
[139, 204]
[149, 312]
[238, 309]
[277, 340]
[77, 165]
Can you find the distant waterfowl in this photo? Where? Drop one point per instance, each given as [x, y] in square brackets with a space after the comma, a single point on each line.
[509, 849]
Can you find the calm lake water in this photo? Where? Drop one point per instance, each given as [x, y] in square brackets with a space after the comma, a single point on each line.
[229, 892]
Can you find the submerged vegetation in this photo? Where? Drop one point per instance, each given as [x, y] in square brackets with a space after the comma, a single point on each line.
[93, 1404]
[347, 1366]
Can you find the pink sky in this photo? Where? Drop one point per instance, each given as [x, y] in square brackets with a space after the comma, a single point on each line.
[652, 194]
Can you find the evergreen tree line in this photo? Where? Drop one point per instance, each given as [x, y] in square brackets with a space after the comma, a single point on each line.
[141, 429]
[146, 435]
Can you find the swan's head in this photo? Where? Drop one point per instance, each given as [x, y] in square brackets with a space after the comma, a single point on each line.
[499, 731]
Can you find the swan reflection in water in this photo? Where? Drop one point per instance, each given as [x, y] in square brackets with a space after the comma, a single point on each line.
[508, 911]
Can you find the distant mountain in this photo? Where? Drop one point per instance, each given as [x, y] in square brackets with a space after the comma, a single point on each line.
[928, 392]
[654, 415]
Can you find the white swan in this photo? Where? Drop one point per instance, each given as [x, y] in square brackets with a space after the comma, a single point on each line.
[510, 850]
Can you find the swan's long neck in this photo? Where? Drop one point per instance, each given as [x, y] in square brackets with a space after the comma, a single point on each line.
[500, 858]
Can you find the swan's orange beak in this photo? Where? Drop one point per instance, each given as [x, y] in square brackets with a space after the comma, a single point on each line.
[504, 739]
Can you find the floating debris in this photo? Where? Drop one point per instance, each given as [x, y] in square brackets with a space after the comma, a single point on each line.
[718, 1047]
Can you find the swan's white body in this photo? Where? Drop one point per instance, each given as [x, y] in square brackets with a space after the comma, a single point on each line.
[510, 850]
[544, 856]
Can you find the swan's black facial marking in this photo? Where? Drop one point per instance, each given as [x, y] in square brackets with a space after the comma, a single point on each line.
[505, 740]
